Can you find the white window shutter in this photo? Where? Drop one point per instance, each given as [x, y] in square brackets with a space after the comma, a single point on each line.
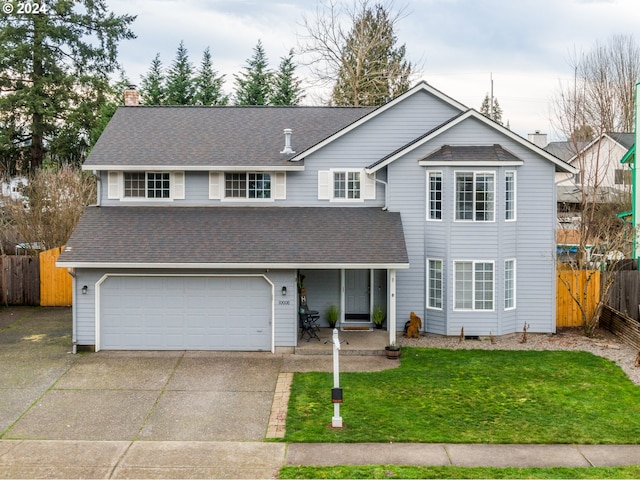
[324, 187]
[177, 185]
[369, 183]
[114, 185]
[279, 185]
[215, 189]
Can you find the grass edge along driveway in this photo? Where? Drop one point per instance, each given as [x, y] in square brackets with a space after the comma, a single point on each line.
[473, 396]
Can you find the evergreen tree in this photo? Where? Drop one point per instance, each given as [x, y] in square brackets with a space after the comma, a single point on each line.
[180, 83]
[152, 89]
[208, 84]
[253, 86]
[372, 68]
[54, 69]
[286, 86]
[494, 114]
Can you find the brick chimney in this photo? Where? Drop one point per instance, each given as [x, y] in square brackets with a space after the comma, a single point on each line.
[131, 97]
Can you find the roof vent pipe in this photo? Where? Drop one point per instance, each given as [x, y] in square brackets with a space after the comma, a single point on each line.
[287, 142]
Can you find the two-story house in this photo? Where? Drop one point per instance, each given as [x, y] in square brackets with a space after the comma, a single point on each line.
[210, 219]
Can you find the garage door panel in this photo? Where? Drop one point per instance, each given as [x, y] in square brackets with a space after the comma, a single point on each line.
[185, 313]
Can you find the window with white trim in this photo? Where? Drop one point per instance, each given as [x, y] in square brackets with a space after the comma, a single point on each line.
[473, 285]
[247, 185]
[434, 284]
[147, 185]
[346, 185]
[475, 194]
[510, 195]
[509, 284]
[434, 185]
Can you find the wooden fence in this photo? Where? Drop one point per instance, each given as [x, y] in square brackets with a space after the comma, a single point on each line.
[19, 280]
[55, 282]
[567, 311]
[624, 294]
[621, 325]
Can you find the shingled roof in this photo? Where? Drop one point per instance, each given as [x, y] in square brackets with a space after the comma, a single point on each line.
[237, 237]
[472, 153]
[214, 136]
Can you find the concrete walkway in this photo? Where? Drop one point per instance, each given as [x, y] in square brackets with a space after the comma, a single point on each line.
[112, 459]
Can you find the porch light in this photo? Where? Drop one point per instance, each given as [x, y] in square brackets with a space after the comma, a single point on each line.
[284, 290]
[84, 289]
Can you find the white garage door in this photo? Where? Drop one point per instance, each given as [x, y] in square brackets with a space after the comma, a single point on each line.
[185, 313]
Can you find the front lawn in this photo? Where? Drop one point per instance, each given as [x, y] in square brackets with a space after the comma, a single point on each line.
[472, 396]
[396, 471]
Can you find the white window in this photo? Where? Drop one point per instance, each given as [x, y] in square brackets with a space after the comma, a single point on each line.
[346, 185]
[509, 284]
[434, 283]
[475, 193]
[510, 195]
[434, 186]
[146, 185]
[247, 185]
[473, 285]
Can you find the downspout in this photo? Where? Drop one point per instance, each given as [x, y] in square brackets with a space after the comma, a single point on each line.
[386, 198]
[73, 310]
[98, 188]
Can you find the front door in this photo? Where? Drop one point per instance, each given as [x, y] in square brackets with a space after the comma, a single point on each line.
[357, 293]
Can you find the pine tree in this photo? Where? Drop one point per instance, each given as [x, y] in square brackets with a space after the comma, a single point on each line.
[494, 114]
[253, 86]
[180, 84]
[372, 68]
[54, 68]
[152, 88]
[208, 84]
[286, 86]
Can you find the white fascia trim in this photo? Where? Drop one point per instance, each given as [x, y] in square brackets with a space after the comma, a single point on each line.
[192, 168]
[422, 86]
[478, 163]
[478, 116]
[199, 266]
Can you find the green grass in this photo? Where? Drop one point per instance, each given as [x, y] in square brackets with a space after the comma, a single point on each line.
[473, 396]
[394, 471]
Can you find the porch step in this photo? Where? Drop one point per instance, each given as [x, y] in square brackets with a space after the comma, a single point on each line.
[363, 328]
[353, 342]
[344, 350]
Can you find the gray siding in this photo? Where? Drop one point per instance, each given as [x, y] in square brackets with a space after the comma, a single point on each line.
[529, 240]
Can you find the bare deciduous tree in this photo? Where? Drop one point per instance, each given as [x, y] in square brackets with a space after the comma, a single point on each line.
[599, 101]
[352, 48]
[53, 203]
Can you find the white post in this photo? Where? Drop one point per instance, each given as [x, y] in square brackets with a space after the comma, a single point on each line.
[336, 421]
[391, 310]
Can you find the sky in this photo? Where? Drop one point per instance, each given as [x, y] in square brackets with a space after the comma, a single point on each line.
[460, 47]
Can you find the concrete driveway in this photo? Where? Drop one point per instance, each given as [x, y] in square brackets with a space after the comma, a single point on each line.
[46, 393]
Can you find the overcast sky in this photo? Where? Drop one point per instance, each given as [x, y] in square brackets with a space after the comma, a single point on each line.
[524, 45]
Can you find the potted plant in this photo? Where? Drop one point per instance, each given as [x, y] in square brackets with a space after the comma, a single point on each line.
[333, 313]
[377, 316]
[392, 351]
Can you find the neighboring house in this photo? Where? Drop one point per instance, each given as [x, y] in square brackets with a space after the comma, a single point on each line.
[13, 188]
[210, 219]
[600, 174]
